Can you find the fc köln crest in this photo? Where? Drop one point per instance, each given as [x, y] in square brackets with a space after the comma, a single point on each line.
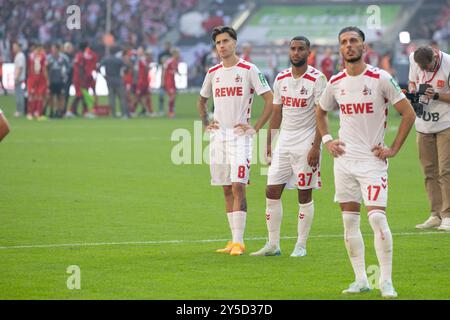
[217, 80]
[284, 89]
[367, 91]
[238, 78]
[303, 90]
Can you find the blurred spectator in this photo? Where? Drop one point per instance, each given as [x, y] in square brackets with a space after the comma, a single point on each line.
[212, 21]
[114, 67]
[19, 79]
[162, 57]
[386, 63]
[4, 57]
[312, 59]
[371, 56]
[327, 63]
[80, 80]
[58, 67]
[37, 82]
[210, 59]
[133, 22]
[170, 69]
[246, 51]
[69, 53]
[142, 91]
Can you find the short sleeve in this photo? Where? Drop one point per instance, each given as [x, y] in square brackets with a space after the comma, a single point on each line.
[327, 101]
[276, 92]
[206, 89]
[319, 88]
[259, 81]
[390, 88]
[413, 69]
[21, 60]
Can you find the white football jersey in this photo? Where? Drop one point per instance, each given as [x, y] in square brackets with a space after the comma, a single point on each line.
[436, 116]
[232, 90]
[298, 98]
[363, 102]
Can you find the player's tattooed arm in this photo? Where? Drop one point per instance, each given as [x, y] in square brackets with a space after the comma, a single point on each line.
[202, 109]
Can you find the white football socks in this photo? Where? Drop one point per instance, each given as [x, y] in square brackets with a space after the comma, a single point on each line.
[305, 219]
[383, 243]
[354, 244]
[239, 218]
[230, 222]
[274, 215]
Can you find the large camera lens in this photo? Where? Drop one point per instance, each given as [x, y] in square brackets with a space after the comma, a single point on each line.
[418, 108]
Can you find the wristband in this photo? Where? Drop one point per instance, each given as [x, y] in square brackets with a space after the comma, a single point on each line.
[327, 138]
[436, 96]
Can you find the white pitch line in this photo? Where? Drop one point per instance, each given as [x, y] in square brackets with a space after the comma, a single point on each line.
[92, 244]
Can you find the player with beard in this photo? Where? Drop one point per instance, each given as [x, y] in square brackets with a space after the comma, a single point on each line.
[297, 90]
[363, 94]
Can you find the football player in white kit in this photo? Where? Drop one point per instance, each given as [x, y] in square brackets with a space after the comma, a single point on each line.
[297, 90]
[232, 84]
[363, 93]
[4, 126]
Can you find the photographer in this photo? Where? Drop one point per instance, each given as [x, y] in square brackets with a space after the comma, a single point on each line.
[429, 80]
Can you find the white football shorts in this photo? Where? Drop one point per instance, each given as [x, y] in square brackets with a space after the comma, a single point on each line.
[290, 166]
[230, 159]
[361, 179]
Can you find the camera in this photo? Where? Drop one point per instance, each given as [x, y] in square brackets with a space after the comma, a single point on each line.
[415, 97]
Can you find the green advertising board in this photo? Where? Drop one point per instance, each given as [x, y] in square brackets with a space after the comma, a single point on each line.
[321, 23]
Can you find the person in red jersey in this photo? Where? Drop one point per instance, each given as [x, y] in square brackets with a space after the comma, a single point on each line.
[128, 76]
[327, 64]
[143, 81]
[37, 82]
[91, 60]
[170, 68]
[80, 80]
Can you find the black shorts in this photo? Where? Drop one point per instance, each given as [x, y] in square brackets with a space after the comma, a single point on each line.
[56, 88]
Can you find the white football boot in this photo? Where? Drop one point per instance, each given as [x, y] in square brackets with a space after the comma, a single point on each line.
[357, 287]
[299, 251]
[387, 290]
[267, 250]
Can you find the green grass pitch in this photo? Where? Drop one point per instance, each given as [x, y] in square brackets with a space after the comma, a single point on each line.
[103, 194]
